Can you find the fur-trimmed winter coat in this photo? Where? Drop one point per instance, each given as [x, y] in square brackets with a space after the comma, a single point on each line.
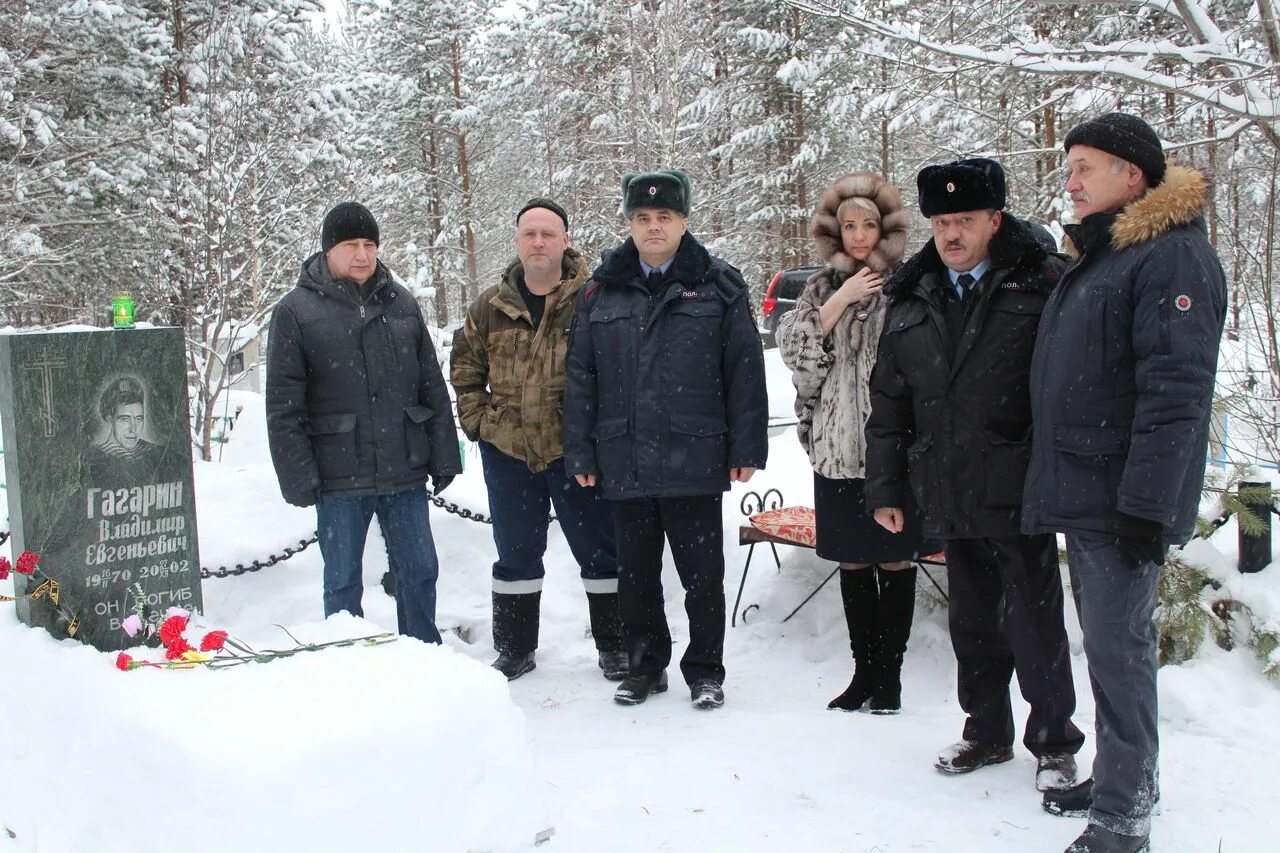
[832, 372]
[1124, 368]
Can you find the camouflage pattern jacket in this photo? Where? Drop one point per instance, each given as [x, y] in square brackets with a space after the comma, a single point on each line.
[509, 376]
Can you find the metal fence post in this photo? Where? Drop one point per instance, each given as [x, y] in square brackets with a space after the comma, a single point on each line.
[1255, 551]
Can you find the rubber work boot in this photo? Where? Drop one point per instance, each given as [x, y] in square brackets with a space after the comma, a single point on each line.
[515, 632]
[606, 628]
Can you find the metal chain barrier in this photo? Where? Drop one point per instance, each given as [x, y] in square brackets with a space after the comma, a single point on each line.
[462, 511]
[256, 565]
[304, 544]
[770, 501]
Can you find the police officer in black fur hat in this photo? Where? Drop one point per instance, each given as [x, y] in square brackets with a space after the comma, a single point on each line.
[951, 421]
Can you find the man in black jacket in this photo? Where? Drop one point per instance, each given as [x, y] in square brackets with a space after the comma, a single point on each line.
[665, 404]
[1123, 380]
[951, 420]
[358, 417]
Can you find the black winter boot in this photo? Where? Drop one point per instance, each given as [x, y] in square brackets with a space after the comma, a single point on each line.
[515, 632]
[896, 609]
[606, 628]
[859, 593]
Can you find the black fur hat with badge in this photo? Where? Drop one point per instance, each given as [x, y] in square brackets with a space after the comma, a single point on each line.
[669, 189]
[974, 184]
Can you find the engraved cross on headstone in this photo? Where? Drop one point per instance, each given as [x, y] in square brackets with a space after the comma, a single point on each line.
[46, 365]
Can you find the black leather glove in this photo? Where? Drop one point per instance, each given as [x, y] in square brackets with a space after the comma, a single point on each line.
[1140, 540]
[440, 482]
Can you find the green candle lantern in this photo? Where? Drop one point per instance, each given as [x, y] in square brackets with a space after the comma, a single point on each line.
[122, 310]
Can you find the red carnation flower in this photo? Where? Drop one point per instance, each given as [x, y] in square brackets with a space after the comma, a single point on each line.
[213, 641]
[177, 649]
[171, 630]
[27, 563]
[123, 662]
[5, 567]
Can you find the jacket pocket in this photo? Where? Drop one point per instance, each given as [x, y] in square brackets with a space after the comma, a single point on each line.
[1006, 470]
[417, 435]
[698, 450]
[333, 441]
[1011, 327]
[1090, 462]
[612, 339]
[922, 465]
[613, 449]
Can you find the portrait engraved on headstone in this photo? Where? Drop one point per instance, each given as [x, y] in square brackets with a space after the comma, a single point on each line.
[98, 466]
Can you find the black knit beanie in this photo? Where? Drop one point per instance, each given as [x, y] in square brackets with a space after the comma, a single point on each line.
[1127, 137]
[547, 204]
[348, 221]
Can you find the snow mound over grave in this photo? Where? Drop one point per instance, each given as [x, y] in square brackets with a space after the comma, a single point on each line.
[398, 747]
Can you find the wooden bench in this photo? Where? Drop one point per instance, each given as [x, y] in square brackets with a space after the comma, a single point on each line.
[771, 521]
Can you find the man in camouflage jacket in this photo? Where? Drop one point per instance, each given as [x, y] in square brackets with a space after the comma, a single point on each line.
[508, 372]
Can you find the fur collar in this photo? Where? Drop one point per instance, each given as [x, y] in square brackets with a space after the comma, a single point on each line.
[825, 228]
[1014, 245]
[1180, 200]
[692, 262]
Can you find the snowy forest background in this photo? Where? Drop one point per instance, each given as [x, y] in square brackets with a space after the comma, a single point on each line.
[185, 150]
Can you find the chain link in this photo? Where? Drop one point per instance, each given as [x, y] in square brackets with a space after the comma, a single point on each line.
[304, 544]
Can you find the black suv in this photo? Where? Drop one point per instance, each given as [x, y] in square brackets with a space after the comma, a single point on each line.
[780, 298]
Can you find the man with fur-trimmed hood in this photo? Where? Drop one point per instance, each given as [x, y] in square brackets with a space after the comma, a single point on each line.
[1122, 383]
[951, 422]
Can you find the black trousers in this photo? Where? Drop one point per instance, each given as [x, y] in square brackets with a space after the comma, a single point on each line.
[694, 528]
[1006, 614]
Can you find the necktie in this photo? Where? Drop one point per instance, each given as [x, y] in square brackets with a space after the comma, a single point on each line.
[655, 280]
[963, 284]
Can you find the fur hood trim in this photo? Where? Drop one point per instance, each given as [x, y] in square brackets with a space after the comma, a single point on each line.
[825, 229]
[1180, 198]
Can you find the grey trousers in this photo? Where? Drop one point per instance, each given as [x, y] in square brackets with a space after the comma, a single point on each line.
[1116, 601]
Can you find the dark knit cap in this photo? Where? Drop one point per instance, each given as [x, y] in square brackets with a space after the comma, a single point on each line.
[547, 204]
[348, 221]
[1127, 137]
[669, 189]
[975, 184]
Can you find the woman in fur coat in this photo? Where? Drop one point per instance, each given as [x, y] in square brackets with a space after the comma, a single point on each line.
[829, 341]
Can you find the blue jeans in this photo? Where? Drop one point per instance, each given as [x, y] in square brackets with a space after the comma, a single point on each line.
[518, 504]
[342, 523]
[1116, 603]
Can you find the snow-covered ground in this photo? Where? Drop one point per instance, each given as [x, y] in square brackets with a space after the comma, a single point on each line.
[406, 747]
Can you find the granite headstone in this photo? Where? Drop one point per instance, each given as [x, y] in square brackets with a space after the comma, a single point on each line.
[97, 455]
